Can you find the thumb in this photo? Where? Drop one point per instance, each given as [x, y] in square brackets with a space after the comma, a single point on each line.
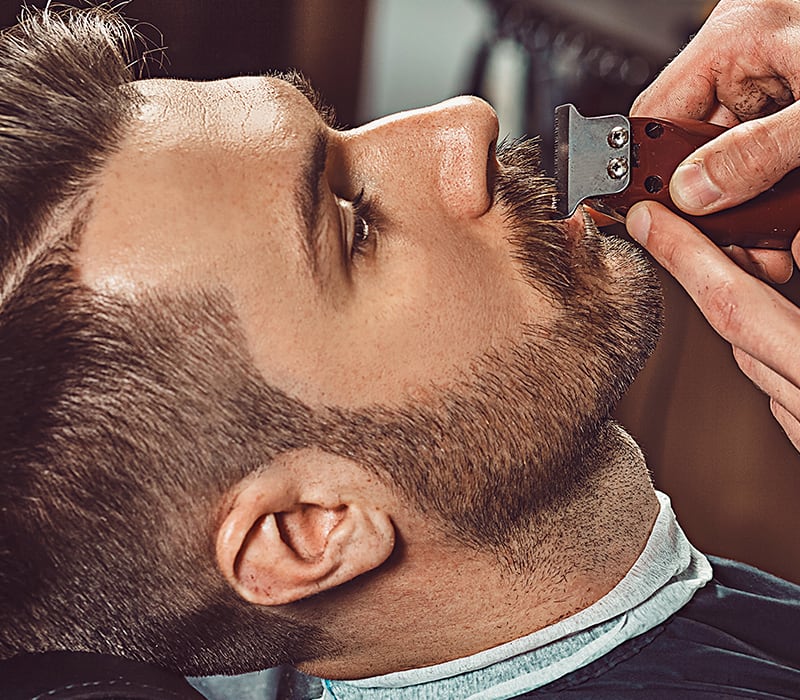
[738, 164]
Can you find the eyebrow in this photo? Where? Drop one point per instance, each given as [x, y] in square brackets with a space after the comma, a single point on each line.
[309, 187]
[303, 85]
[308, 197]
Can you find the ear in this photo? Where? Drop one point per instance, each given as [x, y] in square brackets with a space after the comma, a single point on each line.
[306, 523]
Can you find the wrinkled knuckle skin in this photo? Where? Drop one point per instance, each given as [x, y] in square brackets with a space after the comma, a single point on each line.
[756, 152]
[723, 311]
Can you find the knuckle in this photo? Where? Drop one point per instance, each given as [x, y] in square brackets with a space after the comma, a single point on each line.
[755, 155]
[639, 102]
[723, 310]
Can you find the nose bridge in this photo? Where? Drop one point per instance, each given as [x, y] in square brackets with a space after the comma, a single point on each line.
[467, 112]
[444, 148]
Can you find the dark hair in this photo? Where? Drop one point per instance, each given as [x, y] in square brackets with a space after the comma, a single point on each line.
[121, 423]
[124, 422]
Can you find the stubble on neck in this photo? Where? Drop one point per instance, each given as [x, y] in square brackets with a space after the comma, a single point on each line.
[442, 601]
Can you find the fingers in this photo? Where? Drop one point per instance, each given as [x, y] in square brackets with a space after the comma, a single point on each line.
[796, 249]
[787, 421]
[739, 164]
[723, 116]
[742, 309]
[676, 93]
[784, 396]
[778, 388]
[755, 95]
[774, 266]
[687, 87]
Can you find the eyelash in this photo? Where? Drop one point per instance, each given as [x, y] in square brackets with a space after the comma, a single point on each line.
[363, 229]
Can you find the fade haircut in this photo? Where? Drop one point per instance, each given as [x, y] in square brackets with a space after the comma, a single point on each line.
[122, 424]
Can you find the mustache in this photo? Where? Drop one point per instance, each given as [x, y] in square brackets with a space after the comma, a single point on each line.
[527, 196]
[521, 182]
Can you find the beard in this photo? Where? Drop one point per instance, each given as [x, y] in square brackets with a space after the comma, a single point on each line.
[485, 459]
[519, 434]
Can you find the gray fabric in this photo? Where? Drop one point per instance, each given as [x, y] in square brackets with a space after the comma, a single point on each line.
[662, 580]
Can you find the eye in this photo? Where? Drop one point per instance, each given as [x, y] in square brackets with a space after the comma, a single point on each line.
[359, 233]
[361, 228]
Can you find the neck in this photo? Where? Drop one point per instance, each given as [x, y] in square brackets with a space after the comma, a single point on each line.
[441, 601]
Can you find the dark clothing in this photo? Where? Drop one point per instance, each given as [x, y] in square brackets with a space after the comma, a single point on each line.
[739, 637]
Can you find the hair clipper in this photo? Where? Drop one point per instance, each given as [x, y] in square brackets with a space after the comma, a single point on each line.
[612, 162]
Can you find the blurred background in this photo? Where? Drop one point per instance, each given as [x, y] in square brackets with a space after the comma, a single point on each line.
[708, 434]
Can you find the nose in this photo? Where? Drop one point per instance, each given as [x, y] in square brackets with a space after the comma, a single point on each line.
[446, 151]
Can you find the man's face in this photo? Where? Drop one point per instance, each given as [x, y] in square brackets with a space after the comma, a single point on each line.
[240, 184]
[395, 265]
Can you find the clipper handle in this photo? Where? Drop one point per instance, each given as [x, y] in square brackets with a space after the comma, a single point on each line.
[770, 220]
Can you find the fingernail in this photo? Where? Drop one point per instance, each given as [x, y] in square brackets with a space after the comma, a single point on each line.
[637, 222]
[691, 189]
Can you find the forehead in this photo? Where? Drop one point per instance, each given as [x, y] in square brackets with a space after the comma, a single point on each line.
[230, 113]
[158, 216]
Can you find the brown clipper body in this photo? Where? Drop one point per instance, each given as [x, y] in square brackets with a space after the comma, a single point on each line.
[613, 162]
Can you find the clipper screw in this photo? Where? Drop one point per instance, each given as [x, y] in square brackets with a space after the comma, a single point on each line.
[654, 130]
[653, 184]
[617, 168]
[618, 137]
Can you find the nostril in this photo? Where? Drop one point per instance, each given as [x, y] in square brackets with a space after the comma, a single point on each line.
[491, 171]
[463, 136]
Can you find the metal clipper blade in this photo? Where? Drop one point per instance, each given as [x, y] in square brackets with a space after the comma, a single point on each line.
[592, 159]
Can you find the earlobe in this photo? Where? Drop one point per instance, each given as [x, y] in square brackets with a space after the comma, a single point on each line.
[285, 538]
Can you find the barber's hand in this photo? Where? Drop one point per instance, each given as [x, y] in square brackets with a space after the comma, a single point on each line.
[741, 70]
[761, 325]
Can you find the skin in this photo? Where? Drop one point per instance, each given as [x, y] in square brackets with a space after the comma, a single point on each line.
[434, 290]
[747, 79]
[434, 601]
[437, 289]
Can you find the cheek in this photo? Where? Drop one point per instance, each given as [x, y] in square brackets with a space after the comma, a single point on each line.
[421, 316]
[414, 317]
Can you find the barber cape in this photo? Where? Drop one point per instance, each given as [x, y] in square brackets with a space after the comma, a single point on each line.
[671, 628]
